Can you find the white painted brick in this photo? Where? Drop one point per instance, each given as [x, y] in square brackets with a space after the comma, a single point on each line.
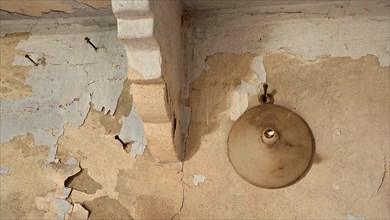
[145, 62]
[129, 6]
[135, 28]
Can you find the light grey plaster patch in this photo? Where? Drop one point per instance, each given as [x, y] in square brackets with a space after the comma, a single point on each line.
[137, 149]
[4, 170]
[314, 32]
[71, 161]
[133, 130]
[68, 167]
[258, 67]
[63, 207]
[66, 192]
[198, 178]
[58, 25]
[247, 88]
[57, 206]
[72, 78]
[351, 217]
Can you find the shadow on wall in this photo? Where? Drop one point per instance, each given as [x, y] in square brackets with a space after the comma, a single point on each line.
[210, 100]
[210, 97]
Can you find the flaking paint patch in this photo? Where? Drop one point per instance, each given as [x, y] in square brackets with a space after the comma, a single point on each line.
[13, 77]
[30, 190]
[67, 85]
[198, 179]
[311, 32]
[99, 153]
[55, 206]
[4, 170]
[258, 67]
[133, 130]
[352, 217]
[77, 212]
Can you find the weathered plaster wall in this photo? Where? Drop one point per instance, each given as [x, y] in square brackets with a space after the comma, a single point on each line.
[327, 61]
[12, 86]
[59, 121]
[71, 78]
[55, 100]
[36, 8]
[349, 175]
[11, 10]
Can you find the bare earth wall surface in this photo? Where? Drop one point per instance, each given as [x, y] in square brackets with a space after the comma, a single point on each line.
[349, 174]
[327, 61]
[59, 157]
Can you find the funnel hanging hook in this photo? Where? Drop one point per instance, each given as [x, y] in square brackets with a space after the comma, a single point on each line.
[266, 98]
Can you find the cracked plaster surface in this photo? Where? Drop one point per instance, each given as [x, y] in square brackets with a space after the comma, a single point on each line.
[65, 85]
[39, 195]
[13, 78]
[311, 30]
[36, 8]
[145, 188]
[11, 10]
[70, 80]
[350, 129]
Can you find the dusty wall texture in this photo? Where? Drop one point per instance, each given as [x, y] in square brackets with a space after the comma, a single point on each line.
[59, 156]
[39, 103]
[328, 61]
[10, 9]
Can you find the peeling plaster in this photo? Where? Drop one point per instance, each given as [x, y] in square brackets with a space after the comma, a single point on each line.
[4, 170]
[77, 212]
[100, 155]
[351, 217]
[326, 94]
[258, 67]
[70, 79]
[316, 30]
[198, 179]
[133, 130]
[12, 77]
[34, 186]
[64, 88]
